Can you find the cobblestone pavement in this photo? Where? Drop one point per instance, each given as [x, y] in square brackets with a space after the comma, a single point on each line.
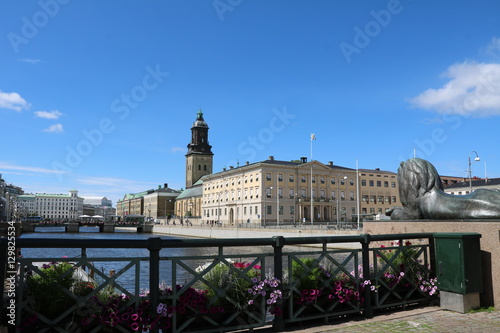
[430, 319]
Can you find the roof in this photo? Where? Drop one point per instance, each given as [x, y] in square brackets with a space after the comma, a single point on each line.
[195, 191]
[476, 183]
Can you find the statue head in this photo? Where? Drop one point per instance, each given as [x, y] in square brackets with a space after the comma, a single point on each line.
[416, 177]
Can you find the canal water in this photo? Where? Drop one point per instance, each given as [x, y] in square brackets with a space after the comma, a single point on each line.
[172, 269]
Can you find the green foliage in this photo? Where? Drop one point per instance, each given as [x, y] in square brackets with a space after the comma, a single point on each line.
[46, 289]
[307, 274]
[228, 283]
[488, 309]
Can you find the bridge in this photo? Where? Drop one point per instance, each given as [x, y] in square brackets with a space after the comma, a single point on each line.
[108, 224]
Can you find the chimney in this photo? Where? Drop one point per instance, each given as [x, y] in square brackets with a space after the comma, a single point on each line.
[303, 159]
[165, 185]
[231, 167]
[271, 158]
[247, 162]
[330, 163]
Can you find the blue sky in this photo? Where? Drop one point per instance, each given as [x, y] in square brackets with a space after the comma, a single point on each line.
[100, 96]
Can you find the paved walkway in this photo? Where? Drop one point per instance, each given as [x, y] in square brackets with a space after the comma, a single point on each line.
[429, 319]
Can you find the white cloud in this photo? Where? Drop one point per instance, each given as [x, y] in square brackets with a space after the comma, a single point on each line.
[493, 48]
[13, 101]
[7, 166]
[30, 61]
[54, 114]
[473, 88]
[56, 128]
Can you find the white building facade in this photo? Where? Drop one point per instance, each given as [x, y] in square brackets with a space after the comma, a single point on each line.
[51, 206]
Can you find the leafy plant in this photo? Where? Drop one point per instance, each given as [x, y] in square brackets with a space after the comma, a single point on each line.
[47, 288]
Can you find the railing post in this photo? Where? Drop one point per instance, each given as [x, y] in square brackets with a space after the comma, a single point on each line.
[279, 242]
[154, 248]
[365, 251]
[3, 269]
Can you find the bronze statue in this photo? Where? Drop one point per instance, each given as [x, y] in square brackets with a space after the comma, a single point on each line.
[421, 193]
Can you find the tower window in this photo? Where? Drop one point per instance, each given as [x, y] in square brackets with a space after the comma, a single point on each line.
[199, 166]
[205, 167]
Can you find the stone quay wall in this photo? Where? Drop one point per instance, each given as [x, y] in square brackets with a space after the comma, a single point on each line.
[490, 246]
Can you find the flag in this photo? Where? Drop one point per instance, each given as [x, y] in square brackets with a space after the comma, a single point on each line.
[313, 137]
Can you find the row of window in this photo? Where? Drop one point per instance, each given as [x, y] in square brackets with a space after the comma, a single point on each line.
[379, 183]
[378, 199]
[249, 194]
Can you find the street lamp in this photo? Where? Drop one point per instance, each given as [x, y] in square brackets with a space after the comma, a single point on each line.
[338, 197]
[470, 170]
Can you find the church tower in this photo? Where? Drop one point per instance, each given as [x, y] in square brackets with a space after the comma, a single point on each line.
[199, 158]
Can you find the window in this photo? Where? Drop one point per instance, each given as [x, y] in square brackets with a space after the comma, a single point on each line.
[351, 181]
[256, 210]
[268, 192]
[322, 180]
[333, 180]
[290, 193]
[393, 199]
[280, 192]
[268, 176]
[303, 193]
[281, 210]
[380, 199]
[269, 210]
[303, 179]
[342, 195]
[342, 181]
[280, 177]
[322, 194]
[388, 199]
[371, 183]
[290, 178]
[364, 198]
[292, 210]
[372, 198]
[333, 194]
[379, 183]
[363, 182]
[393, 184]
[351, 195]
[314, 179]
[386, 184]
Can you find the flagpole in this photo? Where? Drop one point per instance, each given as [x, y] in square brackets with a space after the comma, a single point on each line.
[313, 137]
[357, 190]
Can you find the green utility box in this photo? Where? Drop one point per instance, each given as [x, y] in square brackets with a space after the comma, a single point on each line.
[459, 272]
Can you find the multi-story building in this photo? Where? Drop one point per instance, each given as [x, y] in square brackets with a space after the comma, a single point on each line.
[51, 206]
[100, 206]
[152, 203]
[277, 192]
[462, 188]
[379, 191]
[274, 191]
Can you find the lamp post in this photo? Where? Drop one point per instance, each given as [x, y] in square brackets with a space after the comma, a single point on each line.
[338, 197]
[470, 170]
[277, 202]
[218, 208]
